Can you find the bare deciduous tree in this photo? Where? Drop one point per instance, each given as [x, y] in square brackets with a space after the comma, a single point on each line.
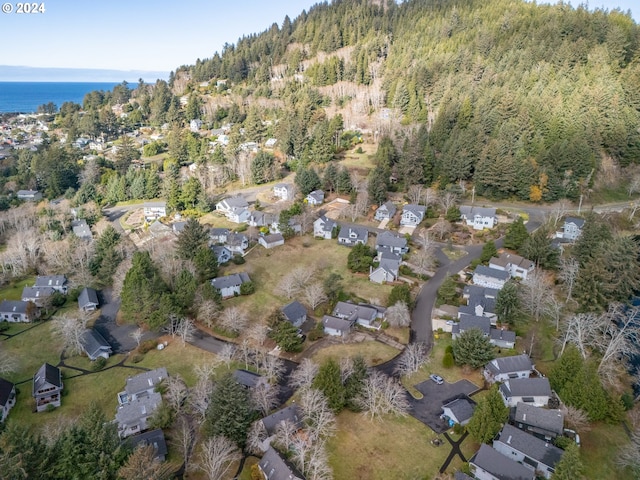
[302, 377]
[184, 439]
[575, 418]
[448, 200]
[318, 464]
[314, 295]
[441, 228]
[554, 309]
[302, 276]
[208, 310]
[7, 362]
[288, 286]
[629, 455]
[258, 333]
[234, 319]
[415, 193]
[270, 366]
[142, 463]
[217, 454]
[256, 436]
[398, 315]
[227, 354]
[119, 275]
[245, 353]
[569, 268]
[176, 392]
[618, 339]
[71, 330]
[535, 293]
[383, 395]
[579, 330]
[137, 335]
[186, 330]
[199, 397]
[320, 420]
[264, 397]
[412, 359]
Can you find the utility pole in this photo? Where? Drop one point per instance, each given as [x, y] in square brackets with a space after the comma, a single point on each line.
[473, 194]
[580, 204]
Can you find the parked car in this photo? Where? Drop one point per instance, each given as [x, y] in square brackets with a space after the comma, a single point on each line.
[573, 435]
[436, 378]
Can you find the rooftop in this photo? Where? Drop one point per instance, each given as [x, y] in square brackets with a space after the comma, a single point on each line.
[531, 446]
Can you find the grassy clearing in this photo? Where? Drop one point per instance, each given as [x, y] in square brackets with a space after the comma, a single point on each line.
[13, 291]
[400, 334]
[598, 451]
[390, 448]
[373, 352]
[362, 160]
[454, 253]
[217, 220]
[246, 470]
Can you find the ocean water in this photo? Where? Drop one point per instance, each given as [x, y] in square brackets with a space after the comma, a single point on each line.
[25, 97]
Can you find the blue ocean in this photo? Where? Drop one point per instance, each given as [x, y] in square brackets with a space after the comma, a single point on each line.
[25, 97]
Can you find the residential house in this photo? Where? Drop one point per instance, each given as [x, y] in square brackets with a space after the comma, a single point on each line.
[543, 423]
[261, 219]
[133, 417]
[490, 277]
[412, 215]
[218, 235]
[469, 322]
[386, 211]
[315, 198]
[388, 268]
[364, 315]
[237, 242]
[195, 124]
[537, 455]
[154, 210]
[7, 398]
[249, 379]
[57, 282]
[88, 300]
[336, 327]
[392, 243]
[571, 229]
[16, 311]
[230, 285]
[288, 415]
[47, 387]
[222, 254]
[94, 345]
[458, 411]
[154, 438]
[38, 296]
[533, 391]
[178, 227]
[284, 191]
[295, 313]
[271, 241]
[502, 338]
[516, 265]
[275, 467]
[142, 385]
[270, 143]
[238, 215]
[489, 464]
[507, 368]
[479, 306]
[479, 218]
[158, 229]
[81, 229]
[351, 236]
[29, 195]
[294, 226]
[324, 227]
[478, 291]
[236, 209]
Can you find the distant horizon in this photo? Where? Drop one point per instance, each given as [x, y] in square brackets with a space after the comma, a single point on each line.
[22, 73]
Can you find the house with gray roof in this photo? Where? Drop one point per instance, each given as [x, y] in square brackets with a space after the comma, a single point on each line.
[532, 391]
[537, 455]
[386, 211]
[57, 282]
[479, 218]
[133, 417]
[237, 242]
[543, 423]
[461, 476]
[7, 398]
[288, 417]
[335, 326]
[324, 227]
[230, 285]
[388, 268]
[468, 322]
[478, 291]
[412, 215]
[47, 387]
[261, 219]
[222, 254]
[142, 385]
[364, 315]
[88, 300]
[502, 338]
[29, 195]
[351, 236]
[155, 438]
[489, 464]
[516, 265]
[506, 368]
[230, 203]
[458, 411]
[94, 345]
[392, 243]
[16, 311]
[275, 467]
[154, 210]
[490, 277]
[178, 227]
[295, 313]
[249, 379]
[218, 235]
[315, 198]
[38, 296]
[271, 241]
[81, 229]
[571, 229]
[284, 191]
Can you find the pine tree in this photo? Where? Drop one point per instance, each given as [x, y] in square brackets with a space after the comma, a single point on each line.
[570, 466]
[508, 303]
[191, 239]
[472, 348]
[516, 235]
[489, 417]
[328, 381]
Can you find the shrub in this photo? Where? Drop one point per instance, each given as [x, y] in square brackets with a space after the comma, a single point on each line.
[50, 408]
[238, 259]
[449, 349]
[247, 288]
[137, 358]
[147, 345]
[447, 360]
[99, 364]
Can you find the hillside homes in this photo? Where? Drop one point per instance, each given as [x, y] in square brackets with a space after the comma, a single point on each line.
[517, 266]
[479, 218]
[324, 227]
[412, 215]
[230, 285]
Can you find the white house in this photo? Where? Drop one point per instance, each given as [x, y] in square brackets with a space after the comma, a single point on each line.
[412, 215]
[336, 327]
[232, 203]
[154, 210]
[88, 300]
[222, 254]
[508, 368]
[544, 423]
[195, 124]
[271, 241]
[351, 236]
[532, 391]
[537, 455]
[489, 464]
[271, 142]
[385, 211]
[571, 229]
[479, 218]
[364, 315]
[94, 345]
[7, 398]
[284, 191]
[390, 242]
[230, 285]
[490, 277]
[29, 195]
[388, 268]
[315, 198]
[238, 215]
[15, 311]
[324, 227]
[57, 282]
[516, 265]
[458, 410]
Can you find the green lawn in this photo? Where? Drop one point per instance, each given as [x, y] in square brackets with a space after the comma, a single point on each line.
[373, 352]
[598, 451]
[13, 291]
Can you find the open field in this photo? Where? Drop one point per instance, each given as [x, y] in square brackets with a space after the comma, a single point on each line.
[373, 352]
[599, 448]
[394, 447]
[13, 291]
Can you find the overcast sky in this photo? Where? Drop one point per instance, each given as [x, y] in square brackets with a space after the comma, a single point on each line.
[156, 35]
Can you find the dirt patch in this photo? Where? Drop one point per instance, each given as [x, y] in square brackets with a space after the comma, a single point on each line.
[335, 208]
[135, 219]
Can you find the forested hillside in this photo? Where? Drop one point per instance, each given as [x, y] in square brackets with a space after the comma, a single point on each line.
[523, 99]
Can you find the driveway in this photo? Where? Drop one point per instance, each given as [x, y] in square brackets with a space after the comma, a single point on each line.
[429, 407]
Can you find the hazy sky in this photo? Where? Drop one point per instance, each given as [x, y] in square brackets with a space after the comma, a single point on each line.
[155, 35]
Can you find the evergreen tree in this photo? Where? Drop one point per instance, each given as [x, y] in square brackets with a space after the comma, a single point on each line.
[206, 264]
[489, 417]
[184, 290]
[286, 336]
[263, 168]
[448, 291]
[360, 258]
[570, 466]
[489, 251]
[472, 348]
[229, 412]
[191, 239]
[329, 381]
[516, 235]
[354, 383]
[539, 249]
[343, 182]
[378, 185]
[508, 303]
[330, 178]
[400, 293]
[307, 180]
[595, 233]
